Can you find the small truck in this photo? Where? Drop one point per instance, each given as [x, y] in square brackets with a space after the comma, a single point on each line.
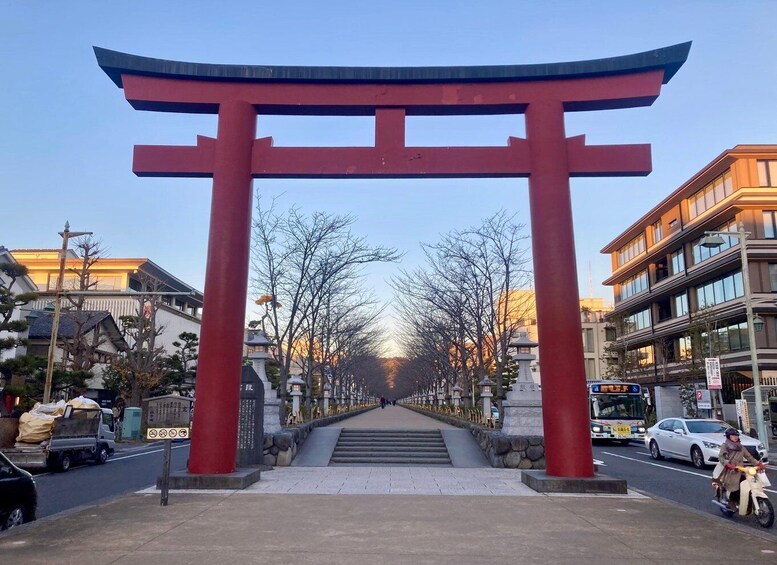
[82, 434]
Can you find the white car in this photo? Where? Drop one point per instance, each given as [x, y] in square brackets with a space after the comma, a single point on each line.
[695, 440]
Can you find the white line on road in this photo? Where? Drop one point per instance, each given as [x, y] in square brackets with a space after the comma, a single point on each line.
[600, 463]
[144, 453]
[705, 476]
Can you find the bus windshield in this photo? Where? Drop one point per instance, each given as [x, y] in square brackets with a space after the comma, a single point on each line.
[617, 407]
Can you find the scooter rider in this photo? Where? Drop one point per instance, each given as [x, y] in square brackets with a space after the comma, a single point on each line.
[733, 454]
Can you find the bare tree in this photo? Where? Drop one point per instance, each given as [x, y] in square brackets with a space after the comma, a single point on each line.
[459, 308]
[142, 366]
[297, 260]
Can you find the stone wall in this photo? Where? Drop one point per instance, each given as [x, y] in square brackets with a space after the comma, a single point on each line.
[281, 448]
[501, 450]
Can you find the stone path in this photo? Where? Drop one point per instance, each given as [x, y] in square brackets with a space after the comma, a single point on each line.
[392, 418]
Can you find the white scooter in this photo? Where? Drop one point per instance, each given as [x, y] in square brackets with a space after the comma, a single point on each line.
[752, 497]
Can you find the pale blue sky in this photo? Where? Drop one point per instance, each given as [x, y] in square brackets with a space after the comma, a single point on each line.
[66, 132]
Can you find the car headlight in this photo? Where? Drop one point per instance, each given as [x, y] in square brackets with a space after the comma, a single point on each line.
[760, 447]
[711, 445]
[641, 430]
[596, 429]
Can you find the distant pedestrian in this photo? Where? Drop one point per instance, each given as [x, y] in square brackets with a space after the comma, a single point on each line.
[394, 402]
[382, 402]
[118, 419]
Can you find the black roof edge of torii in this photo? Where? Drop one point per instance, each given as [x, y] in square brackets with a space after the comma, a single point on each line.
[669, 59]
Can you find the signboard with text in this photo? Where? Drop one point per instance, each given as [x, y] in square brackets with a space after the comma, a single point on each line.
[703, 399]
[712, 366]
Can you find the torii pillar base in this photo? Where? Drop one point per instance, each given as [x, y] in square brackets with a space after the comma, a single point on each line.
[540, 481]
[240, 479]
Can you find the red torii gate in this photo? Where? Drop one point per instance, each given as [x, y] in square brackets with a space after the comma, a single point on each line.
[547, 157]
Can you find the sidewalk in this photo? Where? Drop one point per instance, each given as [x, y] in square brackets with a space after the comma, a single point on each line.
[253, 527]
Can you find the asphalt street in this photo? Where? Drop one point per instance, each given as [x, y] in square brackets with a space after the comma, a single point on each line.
[670, 479]
[89, 484]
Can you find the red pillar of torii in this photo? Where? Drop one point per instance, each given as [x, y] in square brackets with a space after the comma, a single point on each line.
[547, 157]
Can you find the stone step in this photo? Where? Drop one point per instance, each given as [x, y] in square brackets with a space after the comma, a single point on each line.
[390, 460]
[395, 433]
[360, 441]
[392, 449]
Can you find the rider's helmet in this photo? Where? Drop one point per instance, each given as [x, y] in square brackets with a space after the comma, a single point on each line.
[732, 432]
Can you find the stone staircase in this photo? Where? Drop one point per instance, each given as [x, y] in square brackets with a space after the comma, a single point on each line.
[390, 447]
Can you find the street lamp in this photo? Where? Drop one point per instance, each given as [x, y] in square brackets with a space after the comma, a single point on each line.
[714, 239]
[66, 235]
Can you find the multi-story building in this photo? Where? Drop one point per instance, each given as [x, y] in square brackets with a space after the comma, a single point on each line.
[678, 301]
[115, 281]
[594, 331]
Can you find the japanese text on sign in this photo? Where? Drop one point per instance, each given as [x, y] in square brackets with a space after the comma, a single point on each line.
[712, 365]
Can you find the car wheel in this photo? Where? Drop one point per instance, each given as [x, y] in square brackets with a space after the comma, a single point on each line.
[102, 456]
[655, 453]
[697, 457]
[15, 518]
[65, 462]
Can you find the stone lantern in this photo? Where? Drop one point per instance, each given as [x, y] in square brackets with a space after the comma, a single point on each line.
[296, 383]
[430, 395]
[440, 397]
[457, 396]
[258, 353]
[523, 405]
[327, 394]
[485, 394]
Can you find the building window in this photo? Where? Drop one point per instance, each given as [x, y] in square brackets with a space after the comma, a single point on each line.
[684, 348]
[638, 321]
[588, 340]
[773, 276]
[710, 195]
[634, 285]
[720, 290]
[610, 333]
[678, 261]
[590, 369]
[657, 232]
[767, 173]
[770, 224]
[703, 253]
[641, 357]
[633, 248]
[681, 304]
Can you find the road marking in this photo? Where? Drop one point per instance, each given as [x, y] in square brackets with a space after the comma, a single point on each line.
[600, 463]
[144, 453]
[709, 477]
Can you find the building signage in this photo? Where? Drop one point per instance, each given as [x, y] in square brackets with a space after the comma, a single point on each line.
[712, 365]
[743, 416]
[703, 399]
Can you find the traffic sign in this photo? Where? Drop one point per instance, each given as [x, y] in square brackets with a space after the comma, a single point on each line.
[712, 366]
[167, 433]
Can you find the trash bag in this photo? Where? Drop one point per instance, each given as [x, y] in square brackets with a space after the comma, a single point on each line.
[35, 427]
[51, 409]
[82, 402]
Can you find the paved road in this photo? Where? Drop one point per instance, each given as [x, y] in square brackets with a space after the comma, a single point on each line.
[89, 484]
[678, 481]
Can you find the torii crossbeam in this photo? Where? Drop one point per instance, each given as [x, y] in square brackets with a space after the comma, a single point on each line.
[547, 157]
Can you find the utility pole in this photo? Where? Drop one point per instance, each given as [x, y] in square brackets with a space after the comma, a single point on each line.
[66, 235]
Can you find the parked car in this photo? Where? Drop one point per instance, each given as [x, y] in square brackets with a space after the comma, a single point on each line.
[18, 495]
[695, 440]
[495, 413]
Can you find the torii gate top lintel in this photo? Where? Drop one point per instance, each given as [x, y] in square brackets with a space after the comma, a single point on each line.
[667, 59]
